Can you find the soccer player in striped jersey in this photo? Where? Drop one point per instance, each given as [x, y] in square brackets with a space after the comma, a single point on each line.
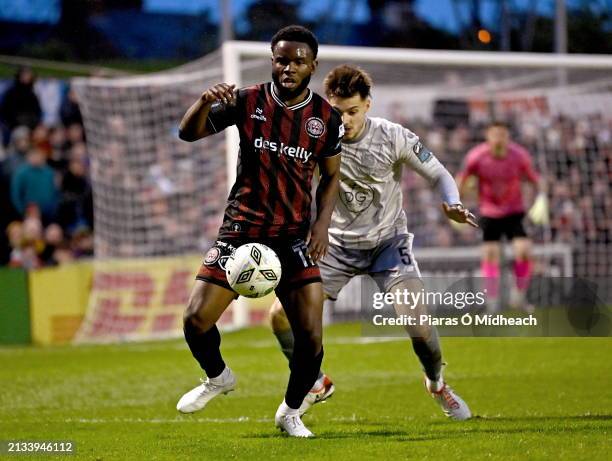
[286, 130]
[500, 166]
[368, 232]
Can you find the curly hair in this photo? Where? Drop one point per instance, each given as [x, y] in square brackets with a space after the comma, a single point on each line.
[345, 81]
[296, 33]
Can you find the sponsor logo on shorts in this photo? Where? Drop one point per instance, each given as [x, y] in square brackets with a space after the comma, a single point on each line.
[223, 261]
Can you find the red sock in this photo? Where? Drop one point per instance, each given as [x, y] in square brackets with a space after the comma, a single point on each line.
[490, 271]
[522, 274]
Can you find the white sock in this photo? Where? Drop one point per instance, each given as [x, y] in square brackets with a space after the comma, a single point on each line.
[285, 409]
[435, 386]
[223, 377]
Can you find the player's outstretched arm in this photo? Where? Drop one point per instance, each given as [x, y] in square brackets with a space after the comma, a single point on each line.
[451, 203]
[327, 193]
[459, 214]
[430, 168]
[193, 125]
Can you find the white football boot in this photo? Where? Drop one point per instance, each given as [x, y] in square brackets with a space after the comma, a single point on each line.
[322, 389]
[199, 396]
[288, 420]
[452, 405]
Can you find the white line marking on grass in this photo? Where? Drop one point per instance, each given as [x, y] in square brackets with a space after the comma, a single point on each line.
[188, 420]
[167, 346]
[240, 419]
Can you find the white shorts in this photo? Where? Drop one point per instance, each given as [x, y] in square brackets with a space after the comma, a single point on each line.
[388, 263]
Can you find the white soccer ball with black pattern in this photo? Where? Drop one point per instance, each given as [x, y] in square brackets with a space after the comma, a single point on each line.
[254, 270]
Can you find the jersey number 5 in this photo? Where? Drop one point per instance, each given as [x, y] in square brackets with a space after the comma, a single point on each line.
[404, 255]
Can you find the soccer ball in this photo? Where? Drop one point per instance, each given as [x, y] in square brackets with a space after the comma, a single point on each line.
[254, 270]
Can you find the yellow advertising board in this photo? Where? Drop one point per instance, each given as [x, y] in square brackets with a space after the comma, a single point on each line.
[144, 299]
[122, 300]
[58, 301]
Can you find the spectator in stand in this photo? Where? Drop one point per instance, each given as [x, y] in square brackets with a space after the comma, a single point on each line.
[75, 134]
[40, 140]
[69, 110]
[63, 254]
[27, 242]
[34, 183]
[16, 152]
[76, 207]
[54, 239]
[20, 105]
[14, 236]
[58, 159]
[15, 157]
[82, 243]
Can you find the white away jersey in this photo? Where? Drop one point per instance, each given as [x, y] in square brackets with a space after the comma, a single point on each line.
[369, 207]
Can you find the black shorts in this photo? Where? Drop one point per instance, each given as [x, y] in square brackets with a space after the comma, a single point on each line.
[298, 268]
[494, 228]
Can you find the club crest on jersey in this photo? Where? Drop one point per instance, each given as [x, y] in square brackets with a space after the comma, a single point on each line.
[212, 256]
[315, 127]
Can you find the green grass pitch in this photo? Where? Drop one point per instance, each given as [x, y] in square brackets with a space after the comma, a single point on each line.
[534, 398]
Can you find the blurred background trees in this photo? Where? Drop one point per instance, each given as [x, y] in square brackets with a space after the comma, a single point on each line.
[94, 30]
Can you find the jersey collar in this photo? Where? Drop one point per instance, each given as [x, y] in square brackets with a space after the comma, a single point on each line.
[278, 100]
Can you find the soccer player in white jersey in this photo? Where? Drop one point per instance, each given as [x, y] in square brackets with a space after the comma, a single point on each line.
[368, 233]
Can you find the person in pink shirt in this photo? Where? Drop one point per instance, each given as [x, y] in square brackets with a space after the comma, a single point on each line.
[500, 166]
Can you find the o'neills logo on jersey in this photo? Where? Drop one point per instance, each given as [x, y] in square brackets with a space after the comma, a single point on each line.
[298, 153]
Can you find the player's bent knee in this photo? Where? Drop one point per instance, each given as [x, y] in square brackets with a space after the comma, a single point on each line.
[193, 306]
[195, 320]
[276, 308]
[278, 317]
[203, 309]
[309, 346]
[276, 312]
[310, 338]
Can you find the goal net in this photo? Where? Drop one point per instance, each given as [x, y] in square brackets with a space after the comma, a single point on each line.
[158, 199]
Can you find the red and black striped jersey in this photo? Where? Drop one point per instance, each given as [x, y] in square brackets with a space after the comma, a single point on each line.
[280, 147]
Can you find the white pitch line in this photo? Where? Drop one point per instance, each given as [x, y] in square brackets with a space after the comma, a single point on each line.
[240, 419]
[227, 344]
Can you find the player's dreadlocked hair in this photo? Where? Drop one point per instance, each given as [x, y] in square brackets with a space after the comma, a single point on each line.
[296, 33]
[345, 81]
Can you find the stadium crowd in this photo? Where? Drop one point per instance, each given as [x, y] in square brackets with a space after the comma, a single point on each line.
[47, 209]
[46, 213]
